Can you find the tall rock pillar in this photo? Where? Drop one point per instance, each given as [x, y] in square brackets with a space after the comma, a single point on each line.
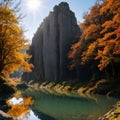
[51, 44]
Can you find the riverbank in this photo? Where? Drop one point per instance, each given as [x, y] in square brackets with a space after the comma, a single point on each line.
[68, 89]
[113, 114]
[102, 87]
[8, 90]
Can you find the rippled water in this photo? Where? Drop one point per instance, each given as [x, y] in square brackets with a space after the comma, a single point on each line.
[52, 107]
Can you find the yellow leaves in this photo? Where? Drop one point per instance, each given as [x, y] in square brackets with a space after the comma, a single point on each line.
[12, 43]
[6, 14]
[16, 30]
[26, 67]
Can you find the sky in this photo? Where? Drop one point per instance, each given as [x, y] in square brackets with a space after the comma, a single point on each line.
[35, 14]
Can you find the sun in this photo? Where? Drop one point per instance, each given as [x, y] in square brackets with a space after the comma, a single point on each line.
[34, 5]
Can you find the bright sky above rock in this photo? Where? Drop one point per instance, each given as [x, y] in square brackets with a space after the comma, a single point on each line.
[36, 10]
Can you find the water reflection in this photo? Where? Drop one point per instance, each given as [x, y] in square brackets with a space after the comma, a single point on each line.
[15, 101]
[69, 108]
[20, 109]
[29, 116]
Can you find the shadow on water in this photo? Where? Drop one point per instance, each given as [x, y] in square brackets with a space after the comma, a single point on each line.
[43, 116]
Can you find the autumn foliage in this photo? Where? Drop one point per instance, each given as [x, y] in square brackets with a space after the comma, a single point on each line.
[100, 39]
[12, 42]
[20, 109]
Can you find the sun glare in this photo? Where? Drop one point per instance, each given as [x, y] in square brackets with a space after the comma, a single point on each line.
[33, 5]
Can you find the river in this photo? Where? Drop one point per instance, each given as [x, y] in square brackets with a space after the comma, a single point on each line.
[54, 107]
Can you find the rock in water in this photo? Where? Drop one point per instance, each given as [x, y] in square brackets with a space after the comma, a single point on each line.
[51, 44]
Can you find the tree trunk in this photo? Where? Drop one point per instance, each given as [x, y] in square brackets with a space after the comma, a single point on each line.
[1, 68]
[113, 70]
[107, 75]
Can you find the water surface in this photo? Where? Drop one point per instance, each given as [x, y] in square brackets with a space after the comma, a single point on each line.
[69, 108]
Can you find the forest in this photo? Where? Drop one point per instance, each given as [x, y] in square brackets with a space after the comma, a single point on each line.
[98, 48]
[93, 59]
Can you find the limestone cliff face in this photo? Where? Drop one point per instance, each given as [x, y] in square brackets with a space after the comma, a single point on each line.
[51, 44]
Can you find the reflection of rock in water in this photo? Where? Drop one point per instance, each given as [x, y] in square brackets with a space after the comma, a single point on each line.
[43, 116]
[29, 116]
[20, 108]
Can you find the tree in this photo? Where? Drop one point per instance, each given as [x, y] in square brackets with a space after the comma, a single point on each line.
[86, 47]
[109, 44]
[12, 42]
[100, 39]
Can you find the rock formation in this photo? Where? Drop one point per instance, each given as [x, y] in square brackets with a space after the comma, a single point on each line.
[51, 44]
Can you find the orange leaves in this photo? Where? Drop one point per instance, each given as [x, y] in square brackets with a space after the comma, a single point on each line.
[105, 6]
[28, 101]
[89, 53]
[90, 32]
[74, 54]
[19, 109]
[110, 41]
[76, 45]
[108, 54]
[117, 48]
[104, 58]
[111, 5]
[74, 49]
[118, 34]
[100, 39]
[107, 25]
[85, 49]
